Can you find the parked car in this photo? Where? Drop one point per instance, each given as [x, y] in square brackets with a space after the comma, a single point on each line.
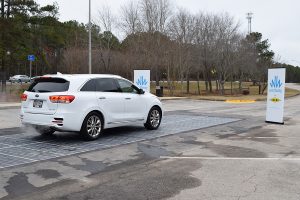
[87, 104]
[19, 79]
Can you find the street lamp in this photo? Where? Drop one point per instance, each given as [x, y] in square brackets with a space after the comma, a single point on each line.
[90, 39]
[8, 53]
[4, 73]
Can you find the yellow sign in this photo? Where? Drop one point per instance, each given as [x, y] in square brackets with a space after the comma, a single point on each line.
[275, 100]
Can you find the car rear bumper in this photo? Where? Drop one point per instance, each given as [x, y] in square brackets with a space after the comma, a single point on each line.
[58, 121]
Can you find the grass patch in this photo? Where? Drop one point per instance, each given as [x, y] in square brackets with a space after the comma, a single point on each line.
[180, 91]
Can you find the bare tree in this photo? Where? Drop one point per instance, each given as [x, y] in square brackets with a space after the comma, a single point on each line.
[74, 60]
[246, 56]
[106, 21]
[181, 45]
[226, 47]
[181, 30]
[130, 18]
[155, 15]
[205, 36]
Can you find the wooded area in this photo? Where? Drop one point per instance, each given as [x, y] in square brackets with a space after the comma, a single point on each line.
[173, 43]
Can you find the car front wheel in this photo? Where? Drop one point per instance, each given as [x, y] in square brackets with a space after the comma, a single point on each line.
[92, 126]
[154, 118]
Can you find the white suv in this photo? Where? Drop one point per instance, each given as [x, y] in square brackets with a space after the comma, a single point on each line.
[87, 104]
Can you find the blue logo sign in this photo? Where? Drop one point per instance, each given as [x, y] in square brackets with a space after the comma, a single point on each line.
[276, 83]
[142, 81]
[30, 58]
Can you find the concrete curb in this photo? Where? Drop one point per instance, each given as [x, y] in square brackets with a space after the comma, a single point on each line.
[4, 106]
[172, 98]
[240, 101]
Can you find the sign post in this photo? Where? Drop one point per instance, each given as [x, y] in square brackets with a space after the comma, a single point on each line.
[142, 79]
[276, 91]
[30, 58]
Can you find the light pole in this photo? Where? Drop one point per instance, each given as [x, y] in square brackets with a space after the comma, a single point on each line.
[8, 53]
[90, 39]
[4, 71]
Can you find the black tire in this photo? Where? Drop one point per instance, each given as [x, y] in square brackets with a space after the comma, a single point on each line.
[154, 118]
[45, 131]
[92, 126]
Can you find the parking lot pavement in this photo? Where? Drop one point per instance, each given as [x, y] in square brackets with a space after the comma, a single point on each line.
[9, 118]
[24, 148]
[245, 159]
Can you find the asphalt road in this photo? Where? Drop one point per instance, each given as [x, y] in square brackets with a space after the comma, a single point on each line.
[247, 159]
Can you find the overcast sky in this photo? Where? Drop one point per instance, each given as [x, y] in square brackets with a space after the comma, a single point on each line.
[277, 20]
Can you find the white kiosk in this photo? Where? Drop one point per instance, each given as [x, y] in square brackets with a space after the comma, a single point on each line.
[276, 91]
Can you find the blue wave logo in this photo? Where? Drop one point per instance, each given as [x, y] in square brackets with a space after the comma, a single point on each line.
[276, 83]
[142, 81]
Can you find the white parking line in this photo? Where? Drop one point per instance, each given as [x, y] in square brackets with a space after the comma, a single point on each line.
[242, 137]
[230, 158]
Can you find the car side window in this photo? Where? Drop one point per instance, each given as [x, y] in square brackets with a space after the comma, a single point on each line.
[126, 86]
[106, 85]
[89, 86]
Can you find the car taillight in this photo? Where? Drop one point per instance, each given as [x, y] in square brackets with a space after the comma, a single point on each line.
[23, 97]
[62, 98]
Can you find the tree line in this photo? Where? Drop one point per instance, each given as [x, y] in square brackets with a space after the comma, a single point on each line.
[174, 44]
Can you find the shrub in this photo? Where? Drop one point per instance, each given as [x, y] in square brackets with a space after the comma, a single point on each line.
[246, 92]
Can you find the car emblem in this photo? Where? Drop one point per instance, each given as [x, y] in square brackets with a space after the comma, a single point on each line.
[37, 95]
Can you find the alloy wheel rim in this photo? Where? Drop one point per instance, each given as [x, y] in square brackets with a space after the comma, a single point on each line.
[94, 126]
[155, 118]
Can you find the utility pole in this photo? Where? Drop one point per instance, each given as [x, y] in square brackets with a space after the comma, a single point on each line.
[90, 40]
[2, 68]
[249, 17]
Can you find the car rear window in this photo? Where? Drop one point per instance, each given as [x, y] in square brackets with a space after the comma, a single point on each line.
[49, 85]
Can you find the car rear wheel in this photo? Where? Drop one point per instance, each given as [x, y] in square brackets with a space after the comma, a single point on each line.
[92, 126]
[154, 118]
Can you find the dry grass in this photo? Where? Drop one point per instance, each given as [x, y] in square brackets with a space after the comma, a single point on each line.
[13, 92]
[215, 96]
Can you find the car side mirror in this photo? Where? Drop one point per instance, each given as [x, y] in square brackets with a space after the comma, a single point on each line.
[141, 91]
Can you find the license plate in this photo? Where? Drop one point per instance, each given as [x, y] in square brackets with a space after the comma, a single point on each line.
[37, 103]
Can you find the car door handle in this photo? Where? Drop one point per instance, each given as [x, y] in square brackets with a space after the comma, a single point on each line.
[102, 97]
[128, 98]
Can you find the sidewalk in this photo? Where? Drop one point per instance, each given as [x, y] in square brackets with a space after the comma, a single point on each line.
[9, 105]
[171, 98]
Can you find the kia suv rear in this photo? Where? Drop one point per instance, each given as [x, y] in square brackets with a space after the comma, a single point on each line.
[87, 104]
